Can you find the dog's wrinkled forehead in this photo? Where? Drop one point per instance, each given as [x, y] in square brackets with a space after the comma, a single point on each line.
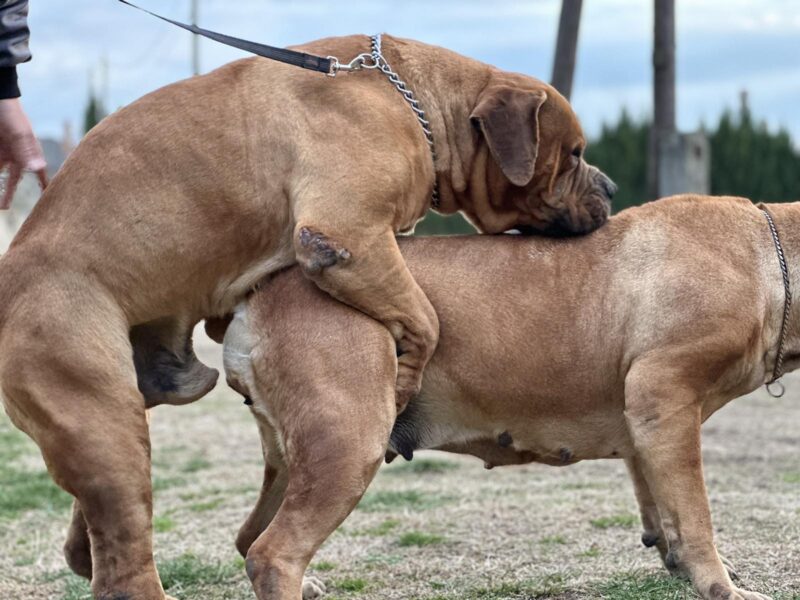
[560, 130]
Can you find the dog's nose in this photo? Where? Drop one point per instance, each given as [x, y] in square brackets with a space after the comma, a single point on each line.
[609, 187]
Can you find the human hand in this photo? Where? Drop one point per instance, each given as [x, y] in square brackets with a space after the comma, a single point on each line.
[19, 149]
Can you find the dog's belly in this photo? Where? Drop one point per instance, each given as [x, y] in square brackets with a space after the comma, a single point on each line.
[512, 439]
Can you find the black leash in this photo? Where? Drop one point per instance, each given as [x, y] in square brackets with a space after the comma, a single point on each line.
[328, 65]
[777, 371]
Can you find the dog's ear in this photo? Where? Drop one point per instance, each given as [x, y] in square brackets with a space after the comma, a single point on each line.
[509, 120]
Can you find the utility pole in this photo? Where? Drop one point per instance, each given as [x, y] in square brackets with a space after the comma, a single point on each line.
[195, 38]
[566, 46]
[105, 87]
[663, 89]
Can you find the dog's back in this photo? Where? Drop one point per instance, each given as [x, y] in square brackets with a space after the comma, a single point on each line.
[545, 330]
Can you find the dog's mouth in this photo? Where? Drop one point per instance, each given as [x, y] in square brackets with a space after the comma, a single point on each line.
[589, 215]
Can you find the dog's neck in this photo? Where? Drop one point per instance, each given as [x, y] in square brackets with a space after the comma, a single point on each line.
[461, 169]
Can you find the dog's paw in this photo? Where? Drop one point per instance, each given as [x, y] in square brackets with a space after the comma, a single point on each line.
[745, 595]
[720, 591]
[312, 588]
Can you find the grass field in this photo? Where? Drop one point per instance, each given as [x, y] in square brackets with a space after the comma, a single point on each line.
[438, 528]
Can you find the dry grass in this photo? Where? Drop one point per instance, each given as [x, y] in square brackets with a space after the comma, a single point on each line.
[439, 528]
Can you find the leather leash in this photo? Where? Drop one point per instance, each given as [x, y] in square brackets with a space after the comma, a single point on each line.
[329, 65]
[777, 371]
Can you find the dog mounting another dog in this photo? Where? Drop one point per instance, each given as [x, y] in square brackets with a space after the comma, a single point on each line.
[174, 207]
[615, 345]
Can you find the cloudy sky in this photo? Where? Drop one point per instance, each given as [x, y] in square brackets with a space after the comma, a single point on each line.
[724, 46]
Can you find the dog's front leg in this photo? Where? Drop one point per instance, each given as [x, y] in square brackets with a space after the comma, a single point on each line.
[651, 521]
[365, 269]
[664, 419]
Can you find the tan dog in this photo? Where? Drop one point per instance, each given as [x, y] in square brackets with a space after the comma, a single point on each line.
[616, 345]
[174, 207]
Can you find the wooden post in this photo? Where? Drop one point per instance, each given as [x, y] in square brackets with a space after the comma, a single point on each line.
[663, 88]
[195, 39]
[566, 46]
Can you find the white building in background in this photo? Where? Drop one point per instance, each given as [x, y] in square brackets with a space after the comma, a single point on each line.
[28, 191]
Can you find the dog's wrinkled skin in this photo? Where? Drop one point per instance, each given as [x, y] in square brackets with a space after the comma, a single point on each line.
[174, 207]
[616, 345]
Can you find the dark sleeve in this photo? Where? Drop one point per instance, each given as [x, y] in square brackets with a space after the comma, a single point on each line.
[14, 49]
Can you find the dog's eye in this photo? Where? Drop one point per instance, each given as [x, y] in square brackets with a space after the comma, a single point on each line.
[577, 151]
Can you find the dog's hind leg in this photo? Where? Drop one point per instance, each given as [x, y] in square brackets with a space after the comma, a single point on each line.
[332, 405]
[664, 417]
[273, 489]
[167, 369]
[68, 381]
[330, 467]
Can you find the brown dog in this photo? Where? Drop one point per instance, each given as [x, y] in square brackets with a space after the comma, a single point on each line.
[174, 207]
[616, 345]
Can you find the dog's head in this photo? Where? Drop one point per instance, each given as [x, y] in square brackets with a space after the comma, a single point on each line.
[537, 178]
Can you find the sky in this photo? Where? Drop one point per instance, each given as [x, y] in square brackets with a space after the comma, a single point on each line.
[723, 46]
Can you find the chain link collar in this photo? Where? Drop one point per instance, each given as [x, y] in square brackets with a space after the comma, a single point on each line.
[409, 97]
[774, 387]
[376, 60]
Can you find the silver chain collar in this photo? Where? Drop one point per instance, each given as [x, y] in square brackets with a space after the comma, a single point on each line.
[375, 60]
[777, 371]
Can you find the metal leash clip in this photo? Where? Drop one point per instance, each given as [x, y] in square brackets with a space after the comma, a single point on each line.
[358, 63]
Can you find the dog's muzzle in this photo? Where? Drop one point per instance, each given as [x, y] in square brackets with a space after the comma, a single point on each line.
[608, 187]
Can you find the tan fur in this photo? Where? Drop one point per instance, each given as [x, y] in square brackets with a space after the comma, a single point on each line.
[175, 206]
[615, 345]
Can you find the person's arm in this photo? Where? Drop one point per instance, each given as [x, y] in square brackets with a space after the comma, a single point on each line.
[14, 34]
[19, 149]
